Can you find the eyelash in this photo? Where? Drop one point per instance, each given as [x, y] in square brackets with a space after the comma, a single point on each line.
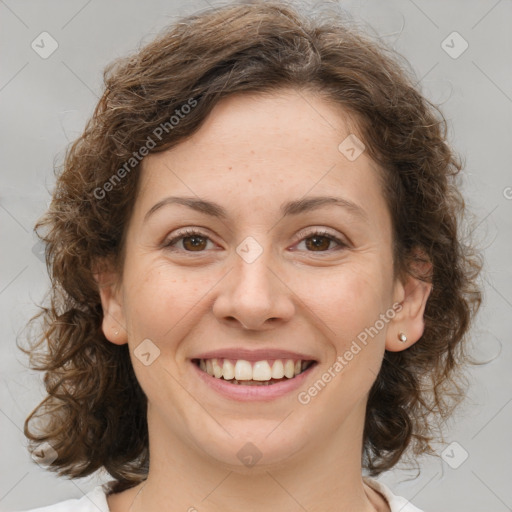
[304, 235]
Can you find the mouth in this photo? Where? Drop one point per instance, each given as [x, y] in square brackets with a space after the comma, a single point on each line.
[266, 372]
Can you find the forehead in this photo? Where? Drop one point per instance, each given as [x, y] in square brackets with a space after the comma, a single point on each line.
[273, 122]
[268, 147]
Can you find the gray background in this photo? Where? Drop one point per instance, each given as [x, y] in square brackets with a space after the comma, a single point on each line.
[45, 103]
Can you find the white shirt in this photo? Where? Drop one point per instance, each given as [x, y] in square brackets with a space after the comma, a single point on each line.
[96, 501]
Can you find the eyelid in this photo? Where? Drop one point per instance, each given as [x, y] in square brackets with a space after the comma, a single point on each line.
[321, 231]
[302, 235]
[182, 233]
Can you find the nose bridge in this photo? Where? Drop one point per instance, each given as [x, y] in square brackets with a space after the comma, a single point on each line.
[252, 280]
[253, 293]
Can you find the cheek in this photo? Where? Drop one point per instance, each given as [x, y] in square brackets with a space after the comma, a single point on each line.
[346, 300]
[162, 305]
[160, 300]
[349, 304]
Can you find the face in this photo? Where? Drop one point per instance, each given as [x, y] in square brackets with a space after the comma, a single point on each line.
[245, 266]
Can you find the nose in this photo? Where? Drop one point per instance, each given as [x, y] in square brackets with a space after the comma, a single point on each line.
[254, 296]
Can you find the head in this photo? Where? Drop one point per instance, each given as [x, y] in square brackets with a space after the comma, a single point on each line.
[282, 108]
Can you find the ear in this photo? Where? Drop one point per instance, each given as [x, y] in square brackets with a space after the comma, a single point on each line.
[411, 293]
[110, 290]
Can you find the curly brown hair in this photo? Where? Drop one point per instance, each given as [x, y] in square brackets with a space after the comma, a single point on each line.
[94, 414]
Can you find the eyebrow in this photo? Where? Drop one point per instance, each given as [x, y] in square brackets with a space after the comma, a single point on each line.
[290, 208]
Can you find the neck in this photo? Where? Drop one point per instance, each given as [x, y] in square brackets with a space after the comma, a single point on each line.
[324, 475]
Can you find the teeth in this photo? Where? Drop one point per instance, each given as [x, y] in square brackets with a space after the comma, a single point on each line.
[228, 370]
[260, 371]
[289, 369]
[278, 369]
[243, 370]
[217, 369]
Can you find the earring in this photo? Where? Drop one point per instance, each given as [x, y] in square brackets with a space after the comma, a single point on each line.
[116, 333]
[402, 337]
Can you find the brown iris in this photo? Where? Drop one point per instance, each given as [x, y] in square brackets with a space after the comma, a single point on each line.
[319, 242]
[197, 243]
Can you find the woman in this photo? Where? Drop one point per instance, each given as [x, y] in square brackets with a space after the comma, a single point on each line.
[259, 285]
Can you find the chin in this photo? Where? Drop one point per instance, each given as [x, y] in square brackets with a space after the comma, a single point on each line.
[252, 450]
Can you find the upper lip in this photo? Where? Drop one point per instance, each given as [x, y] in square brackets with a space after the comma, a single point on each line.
[253, 355]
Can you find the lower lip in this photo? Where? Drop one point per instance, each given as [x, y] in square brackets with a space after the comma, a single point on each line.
[248, 393]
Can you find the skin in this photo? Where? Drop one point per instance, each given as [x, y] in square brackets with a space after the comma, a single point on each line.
[252, 154]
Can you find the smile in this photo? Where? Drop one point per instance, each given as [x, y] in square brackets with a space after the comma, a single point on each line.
[255, 373]
[259, 380]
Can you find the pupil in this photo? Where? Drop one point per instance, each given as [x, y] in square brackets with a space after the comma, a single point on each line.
[196, 241]
[317, 242]
[320, 242]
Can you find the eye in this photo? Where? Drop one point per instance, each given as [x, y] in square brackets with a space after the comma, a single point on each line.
[320, 241]
[192, 241]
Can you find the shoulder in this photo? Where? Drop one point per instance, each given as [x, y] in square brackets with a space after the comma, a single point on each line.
[96, 501]
[396, 503]
[93, 501]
